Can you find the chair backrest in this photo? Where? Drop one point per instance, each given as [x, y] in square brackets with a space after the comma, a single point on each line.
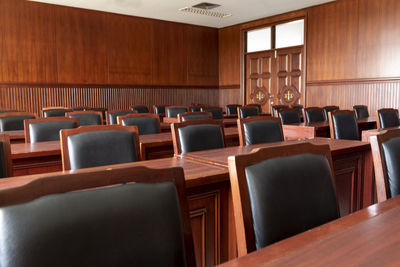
[140, 109]
[314, 114]
[47, 129]
[5, 156]
[281, 191]
[196, 135]
[276, 108]
[111, 116]
[131, 216]
[147, 123]
[343, 125]
[247, 111]
[86, 117]
[100, 145]
[80, 108]
[361, 111]
[258, 106]
[173, 111]
[216, 112]
[102, 110]
[256, 130]
[387, 117]
[329, 109]
[386, 154]
[231, 109]
[14, 121]
[194, 116]
[299, 109]
[195, 108]
[289, 116]
[54, 112]
[159, 109]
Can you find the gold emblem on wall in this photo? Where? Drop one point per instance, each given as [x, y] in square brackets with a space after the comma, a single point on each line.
[259, 96]
[288, 95]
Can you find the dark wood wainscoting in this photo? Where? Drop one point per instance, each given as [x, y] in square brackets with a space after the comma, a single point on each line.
[33, 98]
[375, 94]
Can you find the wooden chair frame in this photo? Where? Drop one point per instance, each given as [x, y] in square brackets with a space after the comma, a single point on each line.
[378, 121]
[332, 125]
[48, 119]
[329, 107]
[86, 112]
[244, 107]
[240, 192]
[166, 109]
[381, 177]
[241, 122]
[92, 128]
[176, 126]
[276, 108]
[88, 180]
[182, 115]
[232, 105]
[7, 154]
[139, 115]
[54, 108]
[117, 111]
[312, 108]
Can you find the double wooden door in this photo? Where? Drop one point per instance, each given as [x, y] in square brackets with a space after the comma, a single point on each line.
[275, 77]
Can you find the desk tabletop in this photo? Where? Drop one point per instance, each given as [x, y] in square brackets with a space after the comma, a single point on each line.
[15, 134]
[196, 173]
[220, 156]
[368, 237]
[325, 124]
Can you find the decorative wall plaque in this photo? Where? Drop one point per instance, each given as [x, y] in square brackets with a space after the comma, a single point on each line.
[259, 96]
[288, 95]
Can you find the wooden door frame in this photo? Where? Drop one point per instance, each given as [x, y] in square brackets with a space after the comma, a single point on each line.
[269, 22]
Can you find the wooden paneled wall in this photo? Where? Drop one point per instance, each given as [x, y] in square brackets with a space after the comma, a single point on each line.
[352, 53]
[49, 46]
[34, 98]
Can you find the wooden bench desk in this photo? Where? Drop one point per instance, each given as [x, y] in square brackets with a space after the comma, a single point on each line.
[367, 237]
[352, 165]
[208, 197]
[321, 129]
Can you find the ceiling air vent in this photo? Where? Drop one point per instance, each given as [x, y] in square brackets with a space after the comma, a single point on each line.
[204, 9]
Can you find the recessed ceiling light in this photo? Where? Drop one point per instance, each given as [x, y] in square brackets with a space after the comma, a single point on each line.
[205, 12]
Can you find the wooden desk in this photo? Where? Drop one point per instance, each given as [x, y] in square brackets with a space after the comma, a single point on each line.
[367, 237]
[352, 165]
[208, 193]
[321, 129]
[365, 136]
[16, 136]
[45, 157]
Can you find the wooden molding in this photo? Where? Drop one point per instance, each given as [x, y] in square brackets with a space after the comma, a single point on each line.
[352, 81]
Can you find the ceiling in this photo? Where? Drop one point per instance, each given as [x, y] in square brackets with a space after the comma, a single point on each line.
[242, 11]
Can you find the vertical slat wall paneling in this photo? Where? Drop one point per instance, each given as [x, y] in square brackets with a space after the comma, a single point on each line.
[376, 95]
[33, 98]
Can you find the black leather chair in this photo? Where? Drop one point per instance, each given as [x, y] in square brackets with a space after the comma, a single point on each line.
[197, 135]
[47, 129]
[387, 118]
[258, 106]
[386, 155]
[140, 217]
[194, 116]
[196, 108]
[216, 112]
[173, 111]
[54, 112]
[289, 116]
[328, 109]
[147, 123]
[140, 109]
[299, 109]
[277, 108]
[102, 110]
[101, 145]
[80, 108]
[361, 111]
[159, 109]
[5, 156]
[281, 191]
[257, 130]
[343, 125]
[247, 111]
[314, 114]
[86, 117]
[111, 116]
[231, 109]
[14, 121]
